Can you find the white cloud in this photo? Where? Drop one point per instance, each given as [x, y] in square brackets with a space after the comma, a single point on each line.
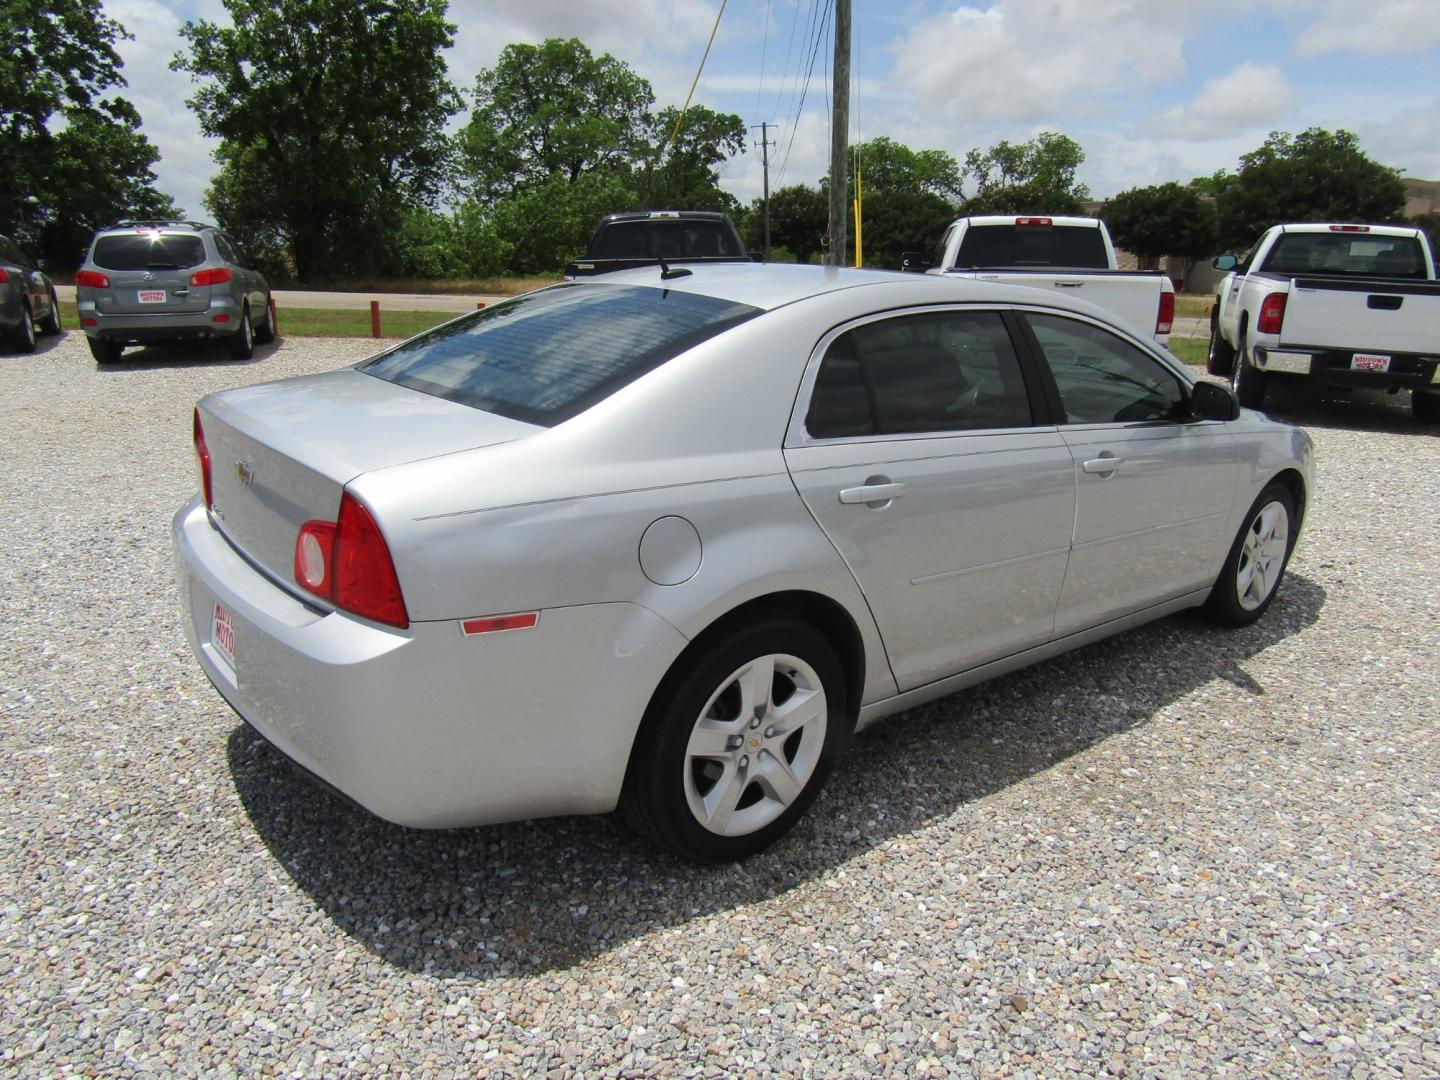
[1250, 97]
[1408, 139]
[1032, 60]
[1373, 27]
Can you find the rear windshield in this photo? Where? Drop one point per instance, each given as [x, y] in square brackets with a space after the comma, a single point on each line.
[1346, 254]
[674, 239]
[149, 251]
[1031, 245]
[550, 355]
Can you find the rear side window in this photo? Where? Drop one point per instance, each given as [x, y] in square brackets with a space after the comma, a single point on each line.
[149, 251]
[1357, 254]
[670, 239]
[1032, 245]
[550, 355]
[946, 371]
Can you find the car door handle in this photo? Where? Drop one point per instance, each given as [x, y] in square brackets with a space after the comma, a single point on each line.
[1103, 464]
[871, 493]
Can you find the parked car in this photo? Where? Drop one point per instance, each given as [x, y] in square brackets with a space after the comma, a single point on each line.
[27, 298]
[149, 281]
[1053, 252]
[1343, 305]
[664, 543]
[649, 237]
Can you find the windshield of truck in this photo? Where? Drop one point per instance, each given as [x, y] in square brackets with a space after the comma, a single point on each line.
[1347, 255]
[1072, 246]
[669, 239]
[149, 250]
[550, 355]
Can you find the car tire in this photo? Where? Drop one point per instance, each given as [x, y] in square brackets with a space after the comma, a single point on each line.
[51, 323]
[1220, 360]
[265, 332]
[105, 352]
[23, 336]
[1426, 407]
[718, 772]
[1251, 575]
[242, 342]
[1248, 381]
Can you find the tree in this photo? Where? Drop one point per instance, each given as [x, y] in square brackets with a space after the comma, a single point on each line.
[1034, 177]
[331, 117]
[799, 216]
[1318, 175]
[886, 165]
[552, 109]
[1163, 220]
[899, 220]
[71, 154]
[685, 172]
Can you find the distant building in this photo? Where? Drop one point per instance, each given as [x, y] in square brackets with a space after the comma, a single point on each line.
[1421, 196]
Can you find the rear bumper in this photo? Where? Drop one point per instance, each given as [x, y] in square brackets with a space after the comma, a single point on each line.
[220, 319]
[1333, 367]
[427, 727]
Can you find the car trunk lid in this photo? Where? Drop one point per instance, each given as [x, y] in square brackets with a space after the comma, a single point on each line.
[281, 453]
[150, 272]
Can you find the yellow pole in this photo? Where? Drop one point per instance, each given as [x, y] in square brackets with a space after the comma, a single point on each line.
[859, 257]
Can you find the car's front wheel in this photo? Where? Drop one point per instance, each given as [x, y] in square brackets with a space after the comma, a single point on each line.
[51, 323]
[737, 741]
[242, 342]
[1257, 560]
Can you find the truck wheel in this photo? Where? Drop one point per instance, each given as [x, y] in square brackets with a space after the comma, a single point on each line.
[1426, 407]
[1221, 358]
[1246, 380]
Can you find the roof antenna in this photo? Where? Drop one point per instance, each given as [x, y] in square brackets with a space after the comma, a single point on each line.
[666, 274]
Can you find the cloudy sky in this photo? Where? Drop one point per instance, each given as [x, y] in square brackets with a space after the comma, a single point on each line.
[1153, 90]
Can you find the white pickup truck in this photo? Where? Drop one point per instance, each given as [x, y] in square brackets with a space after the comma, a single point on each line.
[1345, 305]
[1073, 254]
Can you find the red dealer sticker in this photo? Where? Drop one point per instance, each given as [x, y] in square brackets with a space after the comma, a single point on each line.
[1369, 362]
[222, 634]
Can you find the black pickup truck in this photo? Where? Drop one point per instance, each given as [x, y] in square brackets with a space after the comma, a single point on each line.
[650, 237]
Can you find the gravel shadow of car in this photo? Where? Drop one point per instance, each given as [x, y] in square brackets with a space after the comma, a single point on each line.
[1299, 401]
[44, 343]
[171, 354]
[545, 895]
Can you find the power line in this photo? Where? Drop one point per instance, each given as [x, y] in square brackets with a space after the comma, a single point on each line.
[764, 47]
[811, 21]
[785, 71]
[694, 82]
[814, 54]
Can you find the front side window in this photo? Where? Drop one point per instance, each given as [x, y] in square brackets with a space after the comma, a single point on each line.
[1104, 379]
[935, 372]
[149, 249]
[550, 355]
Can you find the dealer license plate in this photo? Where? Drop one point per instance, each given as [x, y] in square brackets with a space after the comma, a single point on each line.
[222, 634]
[152, 296]
[1369, 362]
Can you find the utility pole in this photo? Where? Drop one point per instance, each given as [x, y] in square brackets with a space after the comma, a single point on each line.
[765, 145]
[839, 139]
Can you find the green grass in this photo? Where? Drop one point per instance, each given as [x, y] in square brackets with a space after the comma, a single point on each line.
[329, 322]
[1191, 350]
[1193, 306]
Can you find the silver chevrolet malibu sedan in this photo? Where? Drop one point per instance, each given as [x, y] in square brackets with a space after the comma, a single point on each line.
[662, 540]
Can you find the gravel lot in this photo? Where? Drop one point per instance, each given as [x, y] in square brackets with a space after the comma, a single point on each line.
[1179, 852]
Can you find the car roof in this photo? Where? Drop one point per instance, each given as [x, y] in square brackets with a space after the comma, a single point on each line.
[133, 226]
[772, 285]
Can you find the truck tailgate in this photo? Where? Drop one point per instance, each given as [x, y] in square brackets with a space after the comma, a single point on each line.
[1377, 316]
[1133, 297]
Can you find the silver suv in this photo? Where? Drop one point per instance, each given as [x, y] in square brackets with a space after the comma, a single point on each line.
[148, 281]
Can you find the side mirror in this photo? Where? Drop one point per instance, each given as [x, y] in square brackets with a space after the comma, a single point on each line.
[914, 262]
[1225, 262]
[1211, 401]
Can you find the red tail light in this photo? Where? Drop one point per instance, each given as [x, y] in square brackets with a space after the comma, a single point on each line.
[4, 276]
[348, 563]
[1272, 314]
[1165, 318]
[90, 279]
[217, 276]
[203, 453]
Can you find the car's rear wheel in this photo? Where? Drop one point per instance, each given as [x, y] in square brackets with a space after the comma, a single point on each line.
[1257, 560]
[23, 336]
[737, 741]
[1246, 379]
[105, 352]
[265, 332]
[1221, 358]
[51, 323]
[242, 342]
[1426, 407]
